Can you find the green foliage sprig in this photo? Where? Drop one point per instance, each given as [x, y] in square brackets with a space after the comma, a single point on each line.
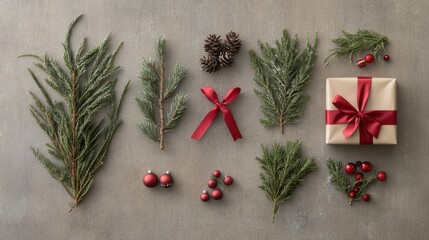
[353, 44]
[79, 129]
[343, 183]
[282, 72]
[156, 90]
[283, 170]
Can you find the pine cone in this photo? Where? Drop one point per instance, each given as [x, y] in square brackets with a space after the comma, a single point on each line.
[232, 43]
[213, 45]
[225, 59]
[209, 64]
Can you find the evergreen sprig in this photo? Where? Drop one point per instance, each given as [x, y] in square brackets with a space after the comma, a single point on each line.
[353, 44]
[283, 170]
[282, 72]
[343, 183]
[79, 129]
[156, 90]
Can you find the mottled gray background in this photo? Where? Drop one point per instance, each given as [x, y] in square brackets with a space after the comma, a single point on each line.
[34, 206]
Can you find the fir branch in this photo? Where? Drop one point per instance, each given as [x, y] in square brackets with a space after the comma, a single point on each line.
[353, 44]
[156, 90]
[79, 132]
[283, 170]
[281, 73]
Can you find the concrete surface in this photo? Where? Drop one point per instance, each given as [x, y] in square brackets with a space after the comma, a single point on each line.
[34, 206]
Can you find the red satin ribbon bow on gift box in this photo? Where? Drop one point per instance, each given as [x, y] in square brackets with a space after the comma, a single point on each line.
[211, 95]
[368, 122]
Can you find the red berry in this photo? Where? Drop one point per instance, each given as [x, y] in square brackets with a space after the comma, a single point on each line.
[386, 58]
[216, 173]
[350, 168]
[228, 180]
[358, 163]
[381, 176]
[352, 194]
[369, 58]
[366, 166]
[366, 197]
[212, 183]
[358, 183]
[358, 176]
[216, 194]
[356, 189]
[205, 196]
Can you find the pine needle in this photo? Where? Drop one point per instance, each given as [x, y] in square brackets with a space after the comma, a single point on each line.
[79, 130]
[281, 73]
[283, 170]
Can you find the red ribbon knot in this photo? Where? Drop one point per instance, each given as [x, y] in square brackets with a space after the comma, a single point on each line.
[211, 95]
[369, 122]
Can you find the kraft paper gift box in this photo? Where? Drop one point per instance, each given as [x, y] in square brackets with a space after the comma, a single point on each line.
[361, 111]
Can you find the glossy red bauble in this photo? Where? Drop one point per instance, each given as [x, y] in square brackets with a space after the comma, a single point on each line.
[381, 176]
[212, 183]
[228, 180]
[352, 194]
[358, 176]
[386, 58]
[216, 194]
[366, 197]
[205, 196]
[150, 180]
[166, 180]
[216, 173]
[350, 168]
[366, 166]
[369, 58]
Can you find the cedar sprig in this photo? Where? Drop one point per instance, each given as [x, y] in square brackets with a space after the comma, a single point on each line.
[283, 170]
[281, 73]
[340, 179]
[79, 129]
[353, 44]
[156, 91]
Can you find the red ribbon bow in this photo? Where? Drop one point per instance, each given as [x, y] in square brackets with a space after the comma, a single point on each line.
[211, 95]
[369, 122]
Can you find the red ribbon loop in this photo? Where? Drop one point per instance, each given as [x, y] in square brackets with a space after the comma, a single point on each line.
[368, 122]
[211, 95]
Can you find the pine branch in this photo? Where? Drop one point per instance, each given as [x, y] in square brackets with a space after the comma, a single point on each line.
[281, 73]
[343, 183]
[353, 44]
[156, 90]
[79, 133]
[283, 170]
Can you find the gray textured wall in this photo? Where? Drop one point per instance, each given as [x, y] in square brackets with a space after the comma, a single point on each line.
[34, 206]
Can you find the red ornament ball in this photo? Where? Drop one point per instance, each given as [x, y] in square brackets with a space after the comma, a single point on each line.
[212, 183]
[228, 180]
[358, 163]
[381, 176]
[356, 189]
[350, 168]
[366, 166]
[352, 194]
[216, 194]
[166, 180]
[386, 58]
[205, 196]
[150, 180]
[358, 183]
[358, 176]
[216, 173]
[369, 58]
[366, 197]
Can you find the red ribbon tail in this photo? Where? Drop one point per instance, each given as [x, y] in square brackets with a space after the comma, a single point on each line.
[205, 123]
[230, 122]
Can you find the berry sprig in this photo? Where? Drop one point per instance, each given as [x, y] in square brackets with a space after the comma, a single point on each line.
[354, 189]
[369, 58]
[213, 183]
